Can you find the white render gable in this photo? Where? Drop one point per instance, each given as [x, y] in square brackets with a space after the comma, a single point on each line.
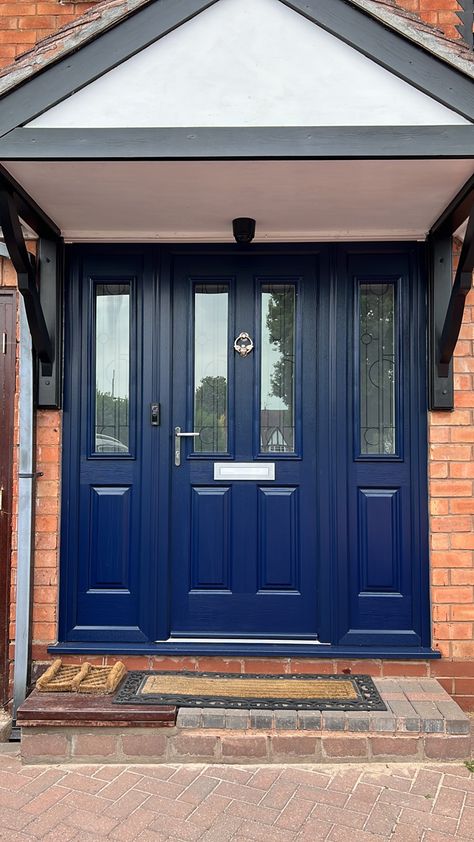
[248, 63]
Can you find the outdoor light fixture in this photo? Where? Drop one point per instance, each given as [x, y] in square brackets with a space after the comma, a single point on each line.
[244, 229]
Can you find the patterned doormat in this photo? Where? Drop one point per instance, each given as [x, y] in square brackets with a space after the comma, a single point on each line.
[275, 692]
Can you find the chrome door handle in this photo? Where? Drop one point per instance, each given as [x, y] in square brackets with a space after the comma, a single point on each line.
[178, 435]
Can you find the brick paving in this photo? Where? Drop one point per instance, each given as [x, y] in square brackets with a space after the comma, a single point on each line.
[218, 803]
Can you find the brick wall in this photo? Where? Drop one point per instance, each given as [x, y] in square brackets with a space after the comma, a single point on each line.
[24, 22]
[451, 469]
[440, 13]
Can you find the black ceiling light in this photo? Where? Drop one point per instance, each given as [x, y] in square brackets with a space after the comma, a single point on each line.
[244, 229]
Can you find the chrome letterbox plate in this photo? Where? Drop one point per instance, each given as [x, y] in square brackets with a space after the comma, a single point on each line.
[244, 470]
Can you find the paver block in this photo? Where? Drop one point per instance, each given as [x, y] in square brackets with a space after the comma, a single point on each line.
[456, 720]
[357, 721]
[261, 719]
[286, 720]
[309, 720]
[213, 718]
[432, 719]
[237, 720]
[333, 721]
[189, 718]
[382, 721]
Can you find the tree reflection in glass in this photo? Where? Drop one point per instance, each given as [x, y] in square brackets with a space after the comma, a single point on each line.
[277, 390]
[210, 367]
[112, 368]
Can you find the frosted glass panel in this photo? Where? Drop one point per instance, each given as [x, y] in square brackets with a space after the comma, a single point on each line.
[377, 369]
[112, 368]
[211, 307]
[277, 387]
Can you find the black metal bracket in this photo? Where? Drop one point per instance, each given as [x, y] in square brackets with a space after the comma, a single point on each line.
[447, 299]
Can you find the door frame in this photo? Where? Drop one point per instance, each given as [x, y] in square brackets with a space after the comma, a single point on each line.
[7, 409]
[158, 598]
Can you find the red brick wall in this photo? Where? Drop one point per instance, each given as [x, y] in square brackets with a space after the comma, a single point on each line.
[24, 22]
[440, 13]
[451, 470]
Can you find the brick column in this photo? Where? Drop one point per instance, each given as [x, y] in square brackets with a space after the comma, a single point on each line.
[451, 469]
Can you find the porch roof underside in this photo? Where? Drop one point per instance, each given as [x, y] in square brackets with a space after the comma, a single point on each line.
[196, 200]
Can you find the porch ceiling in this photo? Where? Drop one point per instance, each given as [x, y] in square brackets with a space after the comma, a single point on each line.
[292, 200]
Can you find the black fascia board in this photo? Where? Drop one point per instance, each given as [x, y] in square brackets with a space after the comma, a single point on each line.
[390, 49]
[107, 50]
[28, 210]
[248, 143]
[146, 25]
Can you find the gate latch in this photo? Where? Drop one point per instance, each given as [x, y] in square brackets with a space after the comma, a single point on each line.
[155, 414]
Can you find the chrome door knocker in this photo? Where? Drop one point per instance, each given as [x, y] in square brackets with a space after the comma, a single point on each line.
[243, 344]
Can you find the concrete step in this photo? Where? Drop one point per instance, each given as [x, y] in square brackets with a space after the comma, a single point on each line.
[421, 722]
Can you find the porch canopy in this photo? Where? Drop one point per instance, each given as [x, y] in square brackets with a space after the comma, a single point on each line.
[317, 119]
[162, 120]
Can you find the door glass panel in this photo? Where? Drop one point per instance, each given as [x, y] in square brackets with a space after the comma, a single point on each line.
[112, 368]
[211, 316]
[377, 369]
[277, 382]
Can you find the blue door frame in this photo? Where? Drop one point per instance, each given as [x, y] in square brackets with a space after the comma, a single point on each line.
[372, 524]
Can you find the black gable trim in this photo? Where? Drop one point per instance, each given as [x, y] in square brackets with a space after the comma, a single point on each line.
[248, 143]
[392, 51]
[149, 23]
[109, 49]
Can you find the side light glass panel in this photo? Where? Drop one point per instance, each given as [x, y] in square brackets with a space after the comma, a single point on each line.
[377, 369]
[211, 317]
[278, 361]
[112, 368]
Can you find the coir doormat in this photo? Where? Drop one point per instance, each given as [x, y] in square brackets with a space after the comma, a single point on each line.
[224, 690]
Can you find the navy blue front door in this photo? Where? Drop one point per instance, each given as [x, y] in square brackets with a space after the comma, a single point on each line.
[245, 557]
[297, 506]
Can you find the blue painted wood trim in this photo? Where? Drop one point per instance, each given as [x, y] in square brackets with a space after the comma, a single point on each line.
[248, 650]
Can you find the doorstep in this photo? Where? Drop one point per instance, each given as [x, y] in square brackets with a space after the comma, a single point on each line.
[421, 722]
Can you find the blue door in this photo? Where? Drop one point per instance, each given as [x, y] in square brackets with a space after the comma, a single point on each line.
[245, 528]
[280, 492]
